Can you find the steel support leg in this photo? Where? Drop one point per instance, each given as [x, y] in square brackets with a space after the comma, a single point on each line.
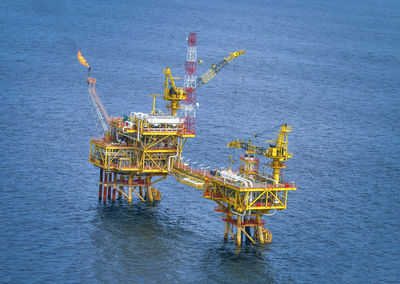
[239, 231]
[114, 186]
[101, 184]
[105, 187]
[260, 230]
[109, 187]
[121, 178]
[130, 182]
[226, 233]
[149, 189]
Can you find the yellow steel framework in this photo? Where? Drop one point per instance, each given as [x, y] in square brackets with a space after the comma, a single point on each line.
[141, 149]
[172, 93]
[215, 69]
[243, 196]
[277, 152]
[137, 149]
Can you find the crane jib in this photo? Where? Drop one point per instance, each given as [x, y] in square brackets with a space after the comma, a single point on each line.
[202, 80]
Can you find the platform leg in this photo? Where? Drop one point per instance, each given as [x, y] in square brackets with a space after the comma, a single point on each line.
[260, 229]
[121, 178]
[149, 189]
[239, 231]
[226, 233]
[109, 186]
[101, 184]
[130, 181]
[149, 194]
[247, 229]
[114, 186]
[268, 236]
[105, 187]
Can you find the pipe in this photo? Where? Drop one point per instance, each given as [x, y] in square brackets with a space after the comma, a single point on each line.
[266, 214]
[271, 179]
[138, 129]
[270, 214]
[192, 167]
[130, 137]
[247, 180]
[169, 159]
[119, 140]
[236, 213]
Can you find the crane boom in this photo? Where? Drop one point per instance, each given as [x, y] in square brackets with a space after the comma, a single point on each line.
[277, 152]
[217, 68]
[175, 94]
[248, 147]
[102, 116]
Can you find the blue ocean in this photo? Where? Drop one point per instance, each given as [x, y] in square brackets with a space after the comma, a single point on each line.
[329, 69]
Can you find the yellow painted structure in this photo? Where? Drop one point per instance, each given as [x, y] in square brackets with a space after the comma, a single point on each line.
[172, 93]
[138, 149]
[244, 195]
[277, 152]
[141, 146]
[215, 69]
[141, 149]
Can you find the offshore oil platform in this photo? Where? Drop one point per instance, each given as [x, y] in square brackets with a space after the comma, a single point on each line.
[138, 150]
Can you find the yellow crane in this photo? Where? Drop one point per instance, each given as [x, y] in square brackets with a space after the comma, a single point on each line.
[276, 151]
[215, 69]
[172, 93]
[175, 94]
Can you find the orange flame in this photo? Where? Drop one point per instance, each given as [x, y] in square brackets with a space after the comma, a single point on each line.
[82, 60]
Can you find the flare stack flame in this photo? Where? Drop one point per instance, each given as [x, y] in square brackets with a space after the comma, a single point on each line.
[82, 60]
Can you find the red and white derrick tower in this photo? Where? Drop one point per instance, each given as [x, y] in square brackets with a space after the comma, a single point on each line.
[189, 106]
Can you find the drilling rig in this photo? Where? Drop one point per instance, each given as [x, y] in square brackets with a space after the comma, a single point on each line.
[138, 150]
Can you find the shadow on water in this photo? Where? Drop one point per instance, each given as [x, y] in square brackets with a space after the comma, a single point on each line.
[246, 263]
[130, 241]
[139, 217]
[120, 208]
[121, 220]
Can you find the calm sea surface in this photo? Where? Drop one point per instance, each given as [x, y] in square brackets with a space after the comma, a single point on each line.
[330, 69]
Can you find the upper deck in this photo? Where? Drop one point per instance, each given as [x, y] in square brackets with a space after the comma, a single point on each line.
[150, 124]
[260, 192]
